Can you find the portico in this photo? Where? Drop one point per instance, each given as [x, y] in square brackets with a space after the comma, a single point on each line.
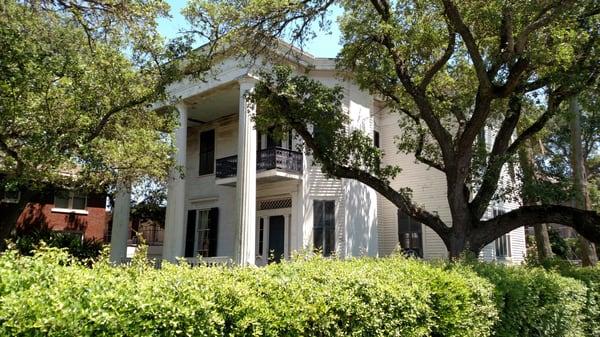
[192, 112]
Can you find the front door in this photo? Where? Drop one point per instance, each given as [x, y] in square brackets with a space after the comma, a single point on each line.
[276, 238]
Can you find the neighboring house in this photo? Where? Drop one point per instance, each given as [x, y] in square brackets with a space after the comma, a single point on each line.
[62, 210]
[254, 199]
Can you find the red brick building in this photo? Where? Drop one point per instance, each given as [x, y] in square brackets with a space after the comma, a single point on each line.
[77, 213]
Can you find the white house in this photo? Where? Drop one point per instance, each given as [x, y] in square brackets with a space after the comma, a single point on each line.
[250, 198]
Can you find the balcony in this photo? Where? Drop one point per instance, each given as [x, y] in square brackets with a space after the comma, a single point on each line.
[272, 164]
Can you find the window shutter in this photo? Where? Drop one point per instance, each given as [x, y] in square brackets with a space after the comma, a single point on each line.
[190, 233]
[207, 152]
[213, 225]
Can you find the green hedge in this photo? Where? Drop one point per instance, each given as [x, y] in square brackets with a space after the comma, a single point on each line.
[591, 278]
[536, 302]
[50, 295]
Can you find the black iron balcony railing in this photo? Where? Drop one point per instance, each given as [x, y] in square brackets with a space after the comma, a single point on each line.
[267, 159]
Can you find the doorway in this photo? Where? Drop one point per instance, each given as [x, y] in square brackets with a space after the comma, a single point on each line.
[272, 237]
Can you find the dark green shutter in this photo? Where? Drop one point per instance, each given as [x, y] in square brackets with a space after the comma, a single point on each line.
[190, 233]
[213, 233]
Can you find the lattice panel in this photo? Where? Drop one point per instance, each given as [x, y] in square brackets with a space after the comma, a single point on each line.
[275, 204]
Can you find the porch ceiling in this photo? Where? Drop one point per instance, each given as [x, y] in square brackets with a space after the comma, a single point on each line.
[215, 104]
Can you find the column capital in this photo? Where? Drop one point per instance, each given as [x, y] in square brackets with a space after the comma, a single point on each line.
[181, 106]
[247, 82]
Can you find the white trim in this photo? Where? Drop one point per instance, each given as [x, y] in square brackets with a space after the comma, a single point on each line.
[70, 211]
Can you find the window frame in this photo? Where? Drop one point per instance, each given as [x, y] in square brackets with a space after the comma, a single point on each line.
[10, 200]
[195, 250]
[412, 224]
[503, 242]
[71, 195]
[325, 228]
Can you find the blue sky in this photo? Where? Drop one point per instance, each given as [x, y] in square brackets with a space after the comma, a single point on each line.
[325, 45]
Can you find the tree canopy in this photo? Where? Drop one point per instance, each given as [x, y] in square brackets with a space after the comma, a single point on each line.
[450, 70]
[76, 82]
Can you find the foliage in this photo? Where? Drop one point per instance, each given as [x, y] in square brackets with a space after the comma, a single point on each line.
[590, 276]
[76, 81]
[50, 295]
[83, 249]
[534, 302]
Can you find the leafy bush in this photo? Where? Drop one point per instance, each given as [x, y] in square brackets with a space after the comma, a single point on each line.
[51, 294]
[26, 241]
[536, 302]
[591, 278]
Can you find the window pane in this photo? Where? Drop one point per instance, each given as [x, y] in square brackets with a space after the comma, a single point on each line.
[79, 202]
[61, 200]
[203, 234]
[329, 244]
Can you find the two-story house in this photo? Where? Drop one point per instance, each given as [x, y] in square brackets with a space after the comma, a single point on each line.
[249, 197]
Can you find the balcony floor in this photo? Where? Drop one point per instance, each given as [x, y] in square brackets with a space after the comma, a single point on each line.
[267, 176]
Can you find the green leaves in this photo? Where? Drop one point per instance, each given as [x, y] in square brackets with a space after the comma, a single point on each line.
[48, 294]
[76, 84]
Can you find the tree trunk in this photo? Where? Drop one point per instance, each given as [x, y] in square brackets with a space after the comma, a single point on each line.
[542, 239]
[582, 199]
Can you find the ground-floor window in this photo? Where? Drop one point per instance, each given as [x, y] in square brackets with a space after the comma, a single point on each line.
[410, 235]
[324, 226]
[201, 233]
[502, 244]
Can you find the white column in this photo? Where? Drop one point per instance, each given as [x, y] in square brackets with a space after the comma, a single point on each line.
[120, 224]
[246, 181]
[175, 218]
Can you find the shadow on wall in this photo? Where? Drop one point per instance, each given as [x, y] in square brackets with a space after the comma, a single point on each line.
[360, 219]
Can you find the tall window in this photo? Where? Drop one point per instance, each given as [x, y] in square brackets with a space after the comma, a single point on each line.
[324, 226]
[201, 233]
[410, 235]
[376, 139]
[207, 152]
[70, 200]
[502, 244]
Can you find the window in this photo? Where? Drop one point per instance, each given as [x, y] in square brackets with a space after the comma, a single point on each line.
[70, 200]
[376, 139]
[207, 152]
[201, 233]
[410, 235]
[502, 244]
[11, 197]
[324, 226]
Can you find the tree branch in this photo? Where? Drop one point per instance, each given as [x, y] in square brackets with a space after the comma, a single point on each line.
[497, 158]
[586, 223]
[435, 68]
[455, 18]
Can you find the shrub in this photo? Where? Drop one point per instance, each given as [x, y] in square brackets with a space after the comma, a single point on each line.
[535, 302]
[591, 278]
[26, 241]
[50, 294]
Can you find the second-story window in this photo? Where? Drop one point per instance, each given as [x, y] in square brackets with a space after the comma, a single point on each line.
[207, 152]
[70, 200]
